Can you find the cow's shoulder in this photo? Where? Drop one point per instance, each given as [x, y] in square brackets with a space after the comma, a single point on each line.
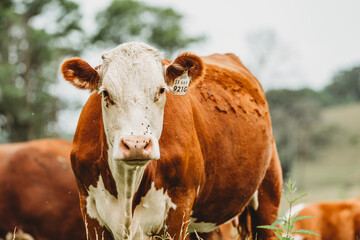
[89, 151]
[226, 71]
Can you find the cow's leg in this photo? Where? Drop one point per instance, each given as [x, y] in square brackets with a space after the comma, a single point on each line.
[93, 229]
[224, 232]
[269, 194]
[178, 219]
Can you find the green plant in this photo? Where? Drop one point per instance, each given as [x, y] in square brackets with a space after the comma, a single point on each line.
[164, 235]
[283, 227]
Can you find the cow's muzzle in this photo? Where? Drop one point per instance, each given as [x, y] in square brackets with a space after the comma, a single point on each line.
[136, 149]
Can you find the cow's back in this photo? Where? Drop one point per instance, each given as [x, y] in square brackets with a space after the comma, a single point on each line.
[222, 130]
[38, 191]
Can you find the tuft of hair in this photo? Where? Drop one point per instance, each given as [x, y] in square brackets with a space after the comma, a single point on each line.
[80, 74]
[185, 62]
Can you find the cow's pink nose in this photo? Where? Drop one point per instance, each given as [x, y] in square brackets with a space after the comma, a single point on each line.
[136, 148]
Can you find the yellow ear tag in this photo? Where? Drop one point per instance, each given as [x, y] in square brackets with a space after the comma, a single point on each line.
[181, 84]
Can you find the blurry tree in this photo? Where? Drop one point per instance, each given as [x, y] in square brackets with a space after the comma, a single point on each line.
[297, 125]
[34, 35]
[129, 20]
[272, 61]
[344, 87]
[262, 45]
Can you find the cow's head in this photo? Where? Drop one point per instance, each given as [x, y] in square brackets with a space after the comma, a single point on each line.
[132, 81]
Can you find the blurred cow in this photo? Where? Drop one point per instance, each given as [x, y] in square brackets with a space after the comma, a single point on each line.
[332, 220]
[38, 193]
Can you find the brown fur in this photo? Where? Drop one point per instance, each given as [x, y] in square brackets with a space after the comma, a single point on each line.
[76, 68]
[185, 62]
[332, 220]
[38, 192]
[218, 136]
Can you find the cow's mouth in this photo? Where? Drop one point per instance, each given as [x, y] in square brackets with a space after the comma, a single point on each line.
[136, 162]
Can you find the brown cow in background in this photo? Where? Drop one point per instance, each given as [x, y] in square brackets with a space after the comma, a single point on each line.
[332, 220]
[38, 193]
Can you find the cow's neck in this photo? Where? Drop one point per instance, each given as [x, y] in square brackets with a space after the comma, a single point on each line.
[127, 179]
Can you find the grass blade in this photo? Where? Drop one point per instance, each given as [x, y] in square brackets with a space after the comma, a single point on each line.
[278, 236]
[301, 218]
[302, 231]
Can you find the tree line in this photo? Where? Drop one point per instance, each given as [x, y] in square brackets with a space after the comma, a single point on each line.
[296, 116]
[36, 34]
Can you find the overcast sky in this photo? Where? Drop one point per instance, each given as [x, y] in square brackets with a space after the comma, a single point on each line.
[314, 38]
[319, 37]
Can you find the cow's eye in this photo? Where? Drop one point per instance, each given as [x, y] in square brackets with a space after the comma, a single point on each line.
[159, 94]
[105, 94]
[161, 91]
[107, 98]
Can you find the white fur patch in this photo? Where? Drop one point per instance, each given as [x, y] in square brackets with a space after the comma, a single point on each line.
[254, 202]
[152, 211]
[148, 218]
[81, 84]
[200, 226]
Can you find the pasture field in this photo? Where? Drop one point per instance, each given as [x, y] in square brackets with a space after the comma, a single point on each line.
[335, 172]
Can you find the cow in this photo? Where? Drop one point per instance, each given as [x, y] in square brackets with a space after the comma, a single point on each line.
[338, 220]
[38, 192]
[148, 162]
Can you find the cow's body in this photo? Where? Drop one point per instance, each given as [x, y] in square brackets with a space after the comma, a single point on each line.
[217, 152]
[38, 192]
[332, 220]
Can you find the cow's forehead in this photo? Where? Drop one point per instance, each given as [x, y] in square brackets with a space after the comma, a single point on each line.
[132, 65]
[132, 49]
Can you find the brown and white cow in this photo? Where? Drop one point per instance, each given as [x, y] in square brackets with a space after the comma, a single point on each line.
[338, 220]
[38, 192]
[148, 162]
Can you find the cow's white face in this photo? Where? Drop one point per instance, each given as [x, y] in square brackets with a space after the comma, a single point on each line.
[132, 81]
[133, 100]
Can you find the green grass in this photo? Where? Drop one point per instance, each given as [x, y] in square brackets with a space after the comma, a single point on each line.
[334, 174]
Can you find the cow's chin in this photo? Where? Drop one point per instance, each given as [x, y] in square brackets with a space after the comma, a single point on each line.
[136, 162]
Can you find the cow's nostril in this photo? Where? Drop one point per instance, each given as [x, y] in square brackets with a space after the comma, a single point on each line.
[147, 145]
[125, 145]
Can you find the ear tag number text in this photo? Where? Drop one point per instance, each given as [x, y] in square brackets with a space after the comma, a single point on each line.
[181, 84]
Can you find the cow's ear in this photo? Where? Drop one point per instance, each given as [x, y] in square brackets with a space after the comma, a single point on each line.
[80, 74]
[185, 62]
